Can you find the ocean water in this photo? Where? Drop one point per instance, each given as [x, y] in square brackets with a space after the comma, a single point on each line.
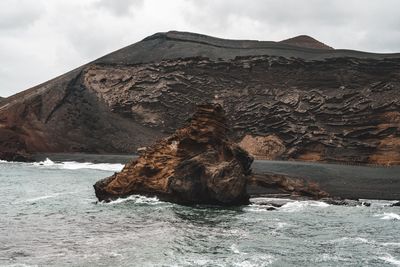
[49, 217]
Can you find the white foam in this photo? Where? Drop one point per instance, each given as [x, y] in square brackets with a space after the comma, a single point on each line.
[394, 244]
[281, 225]
[329, 257]
[41, 198]
[388, 216]
[389, 258]
[19, 265]
[73, 165]
[136, 199]
[301, 205]
[257, 208]
[235, 249]
[352, 240]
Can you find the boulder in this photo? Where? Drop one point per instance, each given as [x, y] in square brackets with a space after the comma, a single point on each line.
[197, 164]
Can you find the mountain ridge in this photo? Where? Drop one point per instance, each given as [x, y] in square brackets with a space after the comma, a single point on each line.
[287, 102]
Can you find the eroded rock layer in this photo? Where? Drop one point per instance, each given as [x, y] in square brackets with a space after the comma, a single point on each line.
[338, 110]
[195, 165]
[285, 102]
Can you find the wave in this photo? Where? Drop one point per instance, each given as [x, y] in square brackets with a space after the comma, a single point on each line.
[137, 199]
[389, 244]
[288, 205]
[352, 240]
[235, 249]
[390, 259]
[301, 205]
[73, 165]
[42, 198]
[388, 216]
[20, 265]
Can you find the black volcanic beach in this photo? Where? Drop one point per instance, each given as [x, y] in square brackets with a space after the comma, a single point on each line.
[346, 181]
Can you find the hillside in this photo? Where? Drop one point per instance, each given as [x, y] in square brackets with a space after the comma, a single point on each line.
[306, 41]
[285, 101]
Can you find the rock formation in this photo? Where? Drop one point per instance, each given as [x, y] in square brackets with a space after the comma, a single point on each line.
[307, 104]
[277, 184]
[195, 165]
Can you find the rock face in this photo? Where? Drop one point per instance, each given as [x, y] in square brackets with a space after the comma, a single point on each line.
[195, 165]
[307, 104]
[263, 147]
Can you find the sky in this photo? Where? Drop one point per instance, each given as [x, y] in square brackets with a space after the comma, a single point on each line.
[41, 39]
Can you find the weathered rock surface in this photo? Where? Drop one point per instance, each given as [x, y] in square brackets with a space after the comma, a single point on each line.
[307, 104]
[269, 184]
[195, 165]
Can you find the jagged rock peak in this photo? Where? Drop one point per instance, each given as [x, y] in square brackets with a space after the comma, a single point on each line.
[306, 41]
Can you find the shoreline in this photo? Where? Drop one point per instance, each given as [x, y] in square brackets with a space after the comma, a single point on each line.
[344, 181]
[125, 158]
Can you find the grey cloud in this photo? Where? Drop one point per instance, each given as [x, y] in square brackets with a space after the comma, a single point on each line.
[40, 39]
[20, 13]
[326, 20]
[119, 7]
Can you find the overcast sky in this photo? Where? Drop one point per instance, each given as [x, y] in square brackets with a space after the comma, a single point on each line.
[40, 39]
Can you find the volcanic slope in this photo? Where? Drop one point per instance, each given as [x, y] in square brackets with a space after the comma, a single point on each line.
[285, 101]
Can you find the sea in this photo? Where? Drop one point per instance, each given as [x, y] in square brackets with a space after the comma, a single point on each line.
[49, 216]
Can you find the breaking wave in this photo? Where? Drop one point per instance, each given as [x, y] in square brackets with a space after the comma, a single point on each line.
[388, 216]
[301, 205]
[73, 165]
[137, 199]
[390, 259]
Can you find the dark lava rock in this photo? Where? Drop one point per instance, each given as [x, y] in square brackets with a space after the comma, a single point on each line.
[286, 101]
[198, 164]
[397, 204]
[272, 184]
[345, 202]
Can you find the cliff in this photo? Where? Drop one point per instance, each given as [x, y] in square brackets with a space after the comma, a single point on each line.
[286, 101]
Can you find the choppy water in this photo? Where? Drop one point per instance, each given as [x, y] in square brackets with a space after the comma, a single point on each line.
[49, 217]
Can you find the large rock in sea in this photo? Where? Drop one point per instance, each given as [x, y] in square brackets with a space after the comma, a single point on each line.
[198, 164]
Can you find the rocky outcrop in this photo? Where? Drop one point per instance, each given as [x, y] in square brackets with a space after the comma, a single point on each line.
[285, 102]
[267, 184]
[195, 165]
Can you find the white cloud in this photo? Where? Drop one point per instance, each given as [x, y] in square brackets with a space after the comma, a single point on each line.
[41, 39]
